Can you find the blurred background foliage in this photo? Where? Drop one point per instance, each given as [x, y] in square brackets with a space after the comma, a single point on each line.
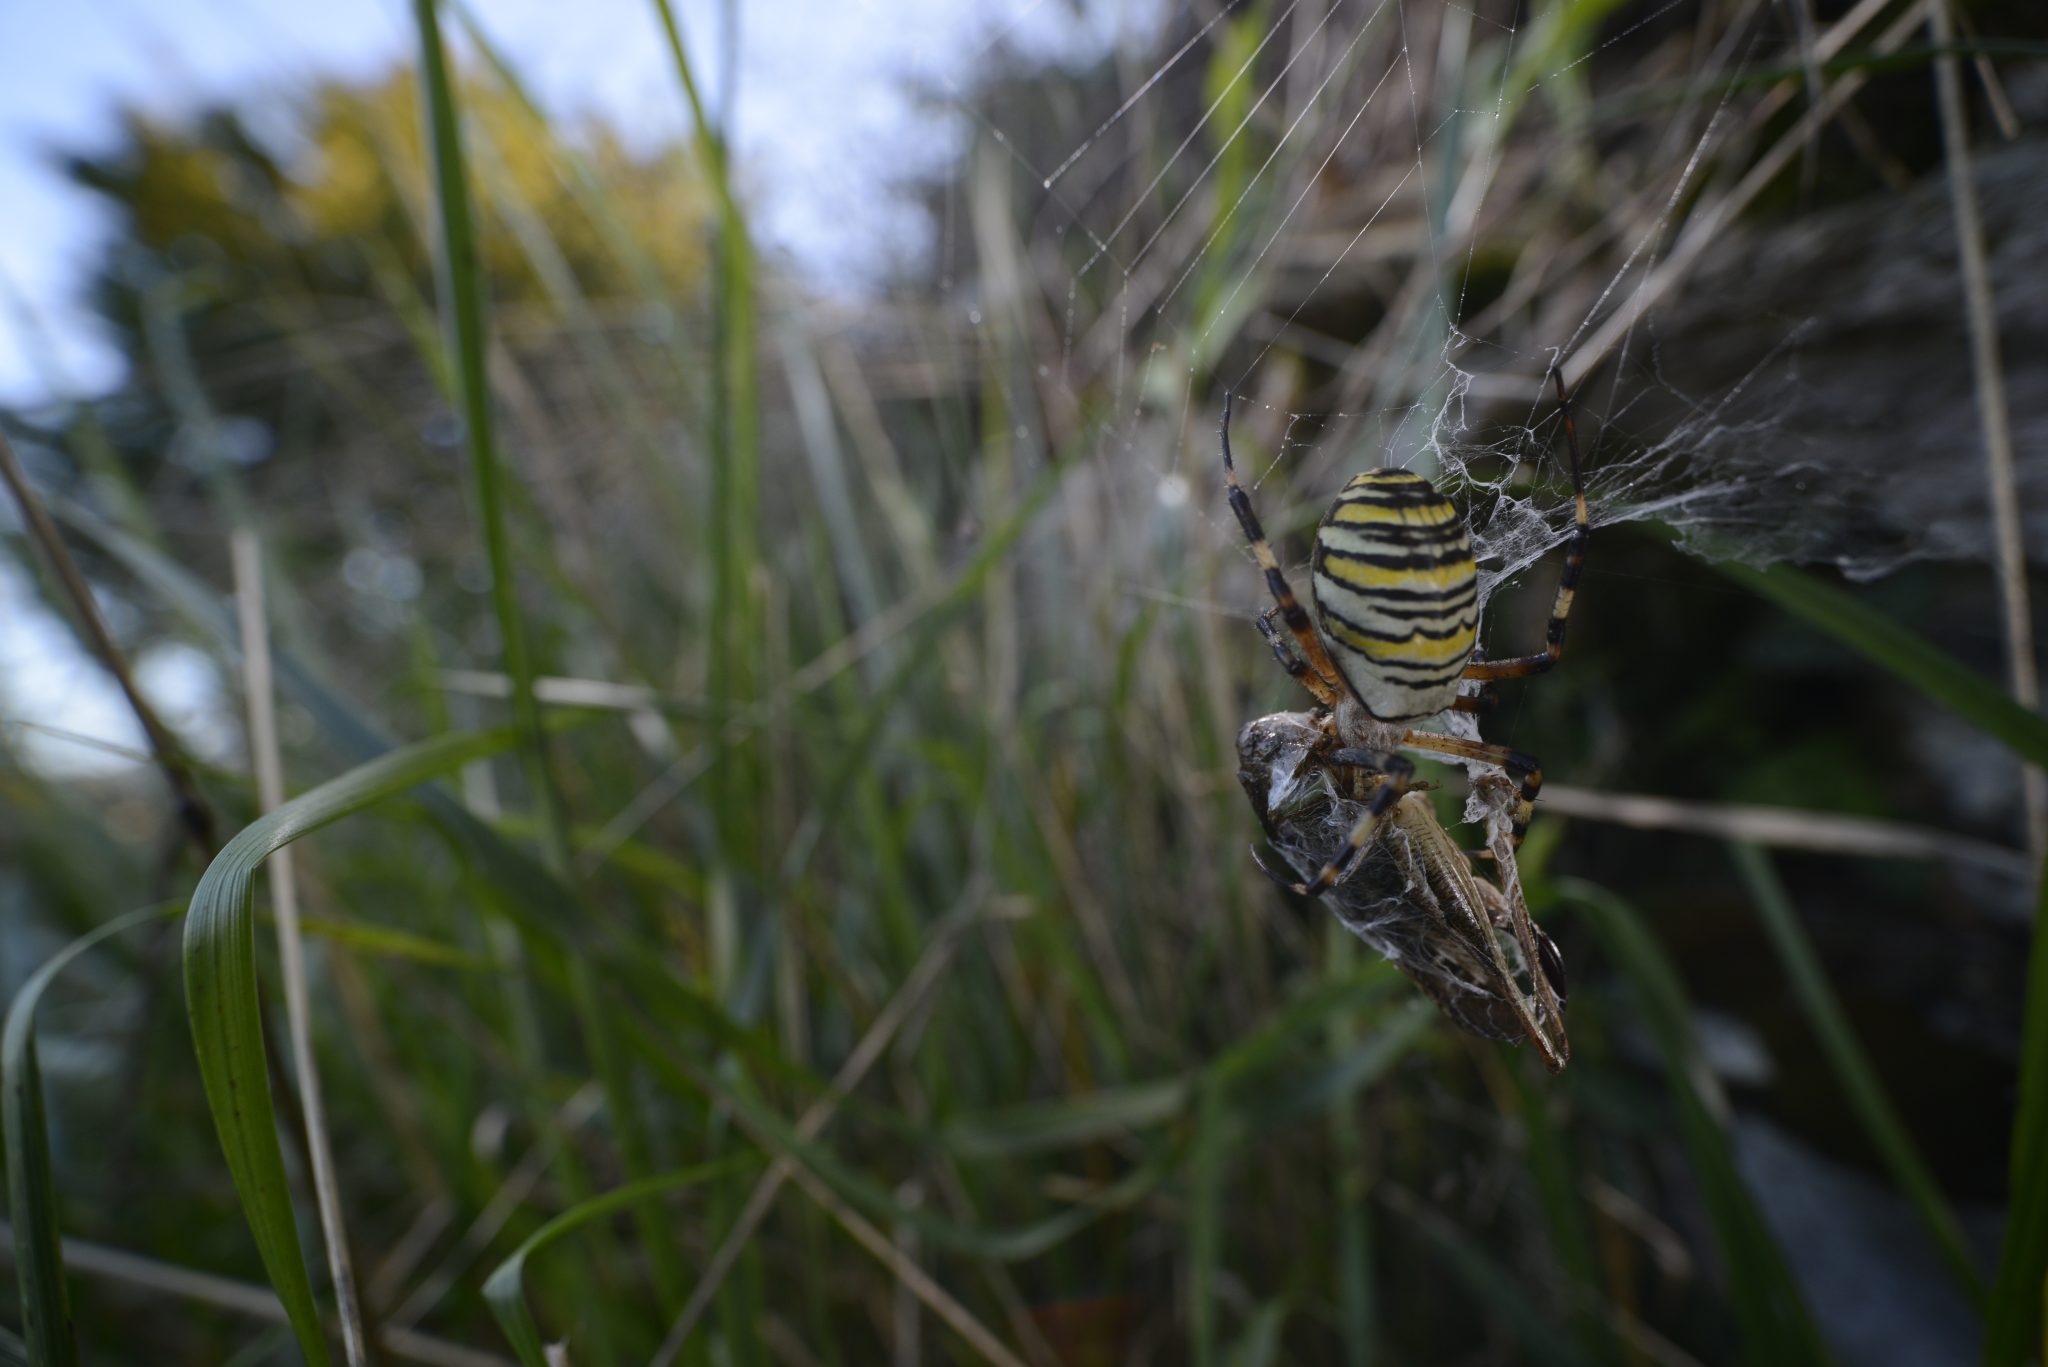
[898, 641]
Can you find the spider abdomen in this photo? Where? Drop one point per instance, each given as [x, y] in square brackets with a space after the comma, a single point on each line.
[1396, 593]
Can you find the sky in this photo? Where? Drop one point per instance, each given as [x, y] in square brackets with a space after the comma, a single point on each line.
[824, 115]
[823, 107]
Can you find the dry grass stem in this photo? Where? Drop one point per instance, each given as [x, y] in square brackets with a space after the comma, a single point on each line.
[291, 950]
[193, 811]
[242, 1298]
[813, 1120]
[1785, 828]
[1993, 414]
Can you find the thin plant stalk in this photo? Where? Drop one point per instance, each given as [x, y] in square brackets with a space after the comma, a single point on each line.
[284, 902]
[1993, 414]
[2015, 1331]
[193, 812]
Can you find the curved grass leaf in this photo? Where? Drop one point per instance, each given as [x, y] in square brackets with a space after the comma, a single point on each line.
[31, 1185]
[221, 999]
[1556, 1179]
[1942, 677]
[505, 1289]
[1768, 1307]
[1508, 1302]
[2016, 1330]
[1881, 1124]
[1309, 1091]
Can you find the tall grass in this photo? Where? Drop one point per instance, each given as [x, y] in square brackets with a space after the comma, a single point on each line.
[874, 965]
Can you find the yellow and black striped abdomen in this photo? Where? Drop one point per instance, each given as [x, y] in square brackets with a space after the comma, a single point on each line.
[1397, 593]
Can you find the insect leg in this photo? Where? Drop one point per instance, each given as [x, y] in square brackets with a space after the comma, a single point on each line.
[1521, 769]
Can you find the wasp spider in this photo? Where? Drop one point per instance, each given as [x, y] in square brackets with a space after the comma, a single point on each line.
[1397, 617]
[1396, 594]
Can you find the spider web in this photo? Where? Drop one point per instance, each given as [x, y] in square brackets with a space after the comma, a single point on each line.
[1379, 223]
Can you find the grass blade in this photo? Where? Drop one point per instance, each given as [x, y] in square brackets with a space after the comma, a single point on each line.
[505, 1290]
[1910, 656]
[1852, 1067]
[1066, 1122]
[1768, 1307]
[1487, 1283]
[734, 438]
[31, 1184]
[1557, 1181]
[221, 998]
[2016, 1330]
[462, 308]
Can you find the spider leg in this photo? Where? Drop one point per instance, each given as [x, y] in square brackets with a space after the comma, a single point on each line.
[1285, 603]
[1398, 771]
[1522, 666]
[1521, 769]
[1298, 669]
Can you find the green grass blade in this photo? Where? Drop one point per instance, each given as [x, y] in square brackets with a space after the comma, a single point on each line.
[1259, 1345]
[1216, 1136]
[1358, 1169]
[1313, 1090]
[221, 998]
[385, 943]
[1767, 1302]
[1881, 1124]
[1067, 1122]
[2018, 1326]
[1494, 1291]
[31, 1183]
[462, 308]
[1942, 677]
[505, 1288]
[1557, 1182]
[543, 904]
[778, 1138]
